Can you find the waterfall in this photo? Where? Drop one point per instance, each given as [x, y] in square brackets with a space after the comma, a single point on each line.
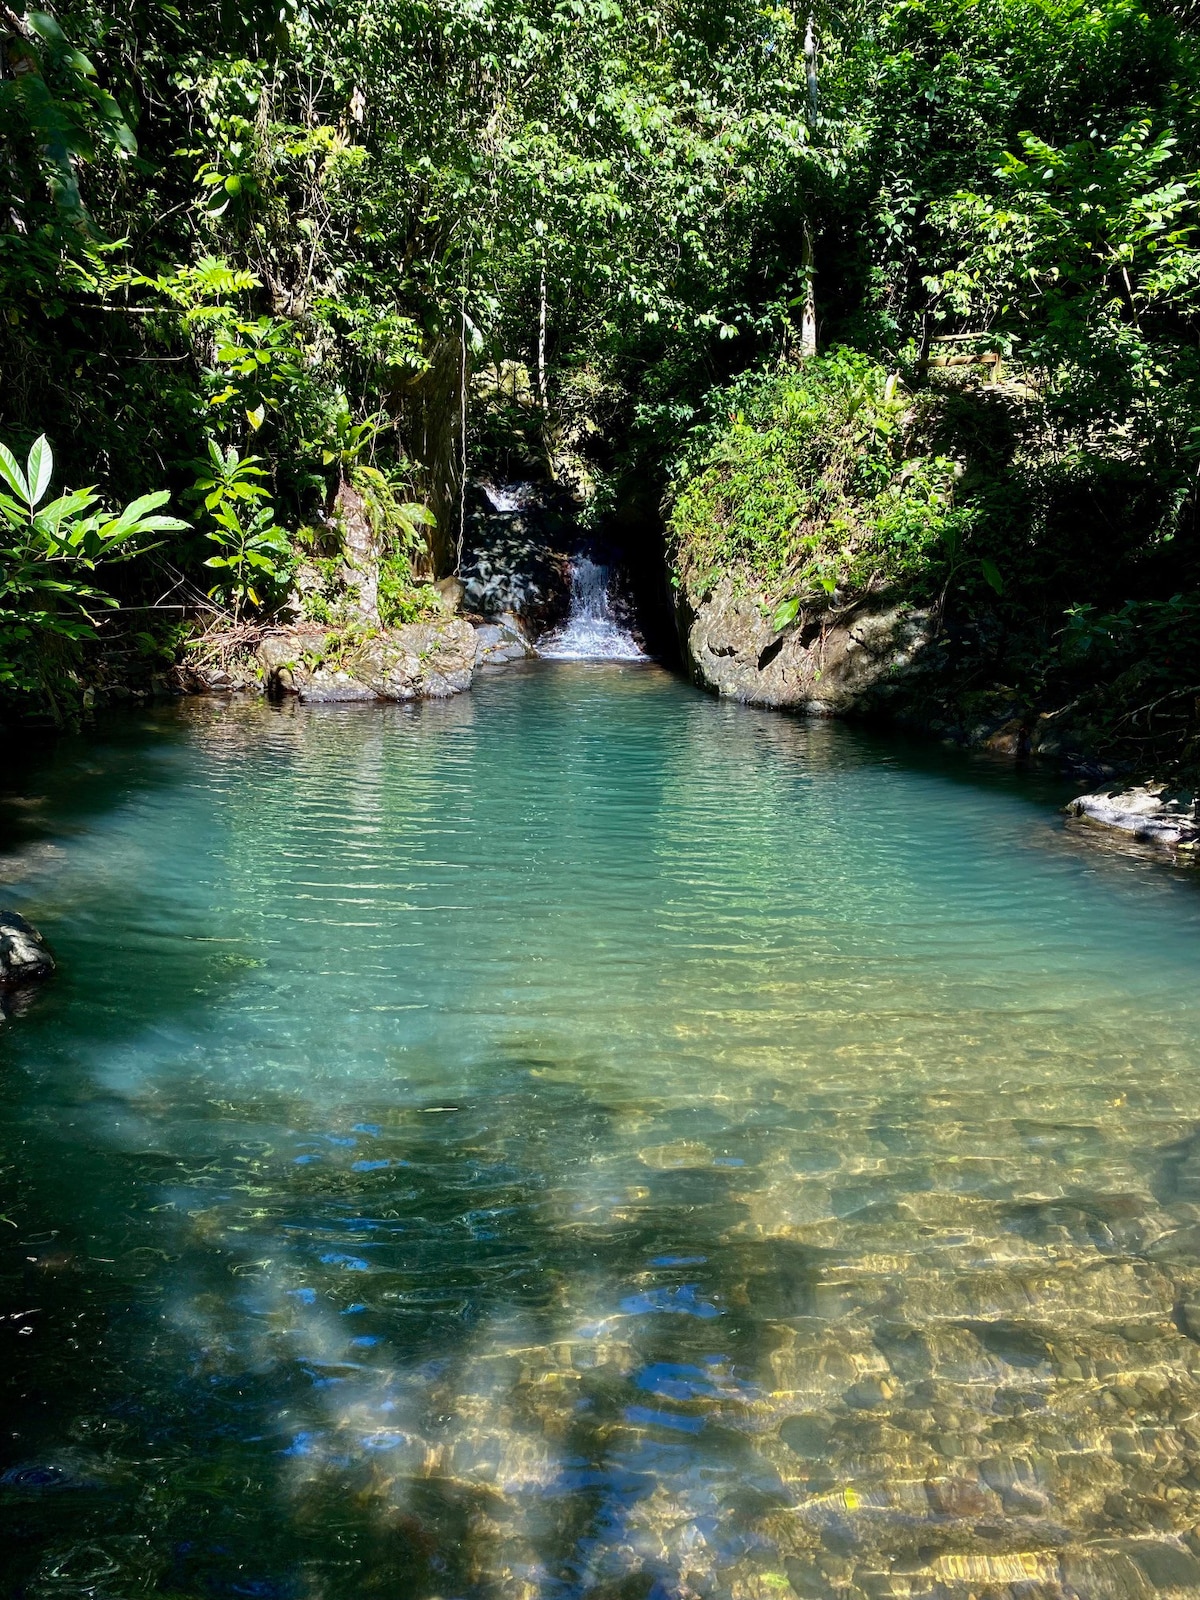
[591, 631]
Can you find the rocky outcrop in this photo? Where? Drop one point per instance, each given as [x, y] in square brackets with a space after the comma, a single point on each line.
[238, 674]
[419, 661]
[24, 958]
[1149, 813]
[451, 592]
[360, 548]
[825, 665]
[514, 559]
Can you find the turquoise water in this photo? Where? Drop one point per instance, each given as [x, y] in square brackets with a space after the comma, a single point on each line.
[583, 1139]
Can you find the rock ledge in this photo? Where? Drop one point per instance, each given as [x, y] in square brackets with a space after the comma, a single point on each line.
[823, 665]
[422, 660]
[1147, 812]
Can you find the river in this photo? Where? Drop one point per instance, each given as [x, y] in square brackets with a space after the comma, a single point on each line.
[585, 1139]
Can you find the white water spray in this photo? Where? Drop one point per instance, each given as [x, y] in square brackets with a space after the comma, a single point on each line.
[591, 631]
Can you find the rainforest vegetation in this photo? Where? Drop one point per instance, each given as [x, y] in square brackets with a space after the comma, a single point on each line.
[898, 292]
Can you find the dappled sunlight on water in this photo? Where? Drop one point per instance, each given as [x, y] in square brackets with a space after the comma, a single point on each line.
[585, 1139]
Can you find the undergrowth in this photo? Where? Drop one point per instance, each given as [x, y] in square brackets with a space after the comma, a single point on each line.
[810, 483]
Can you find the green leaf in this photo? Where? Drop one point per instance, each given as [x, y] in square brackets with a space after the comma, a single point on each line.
[162, 525]
[418, 513]
[10, 471]
[786, 611]
[38, 469]
[146, 502]
[68, 505]
[991, 574]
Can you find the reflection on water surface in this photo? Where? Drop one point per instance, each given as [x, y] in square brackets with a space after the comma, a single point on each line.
[584, 1139]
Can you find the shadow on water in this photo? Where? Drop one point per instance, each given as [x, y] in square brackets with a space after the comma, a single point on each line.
[611, 1143]
[439, 1358]
[381, 1365]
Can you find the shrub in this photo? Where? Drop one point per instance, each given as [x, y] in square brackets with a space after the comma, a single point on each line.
[48, 551]
[810, 483]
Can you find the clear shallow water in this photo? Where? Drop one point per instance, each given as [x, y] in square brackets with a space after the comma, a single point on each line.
[585, 1139]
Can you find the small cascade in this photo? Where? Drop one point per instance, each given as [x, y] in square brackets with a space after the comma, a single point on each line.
[506, 497]
[592, 631]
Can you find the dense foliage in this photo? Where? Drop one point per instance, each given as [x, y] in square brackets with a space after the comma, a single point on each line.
[815, 484]
[252, 254]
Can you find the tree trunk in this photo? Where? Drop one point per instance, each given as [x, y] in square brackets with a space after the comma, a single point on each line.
[808, 315]
[810, 70]
[433, 434]
[541, 354]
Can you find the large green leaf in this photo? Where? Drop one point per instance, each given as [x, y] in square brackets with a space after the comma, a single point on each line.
[10, 471]
[39, 468]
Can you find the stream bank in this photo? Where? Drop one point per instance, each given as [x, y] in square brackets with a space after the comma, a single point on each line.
[879, 661]
[908, 548]
[529, 582]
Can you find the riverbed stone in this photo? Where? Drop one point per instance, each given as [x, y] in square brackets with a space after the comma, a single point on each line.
[24, 958]
[824, 664]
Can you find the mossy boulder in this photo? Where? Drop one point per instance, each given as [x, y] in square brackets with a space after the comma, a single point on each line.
[421, 660]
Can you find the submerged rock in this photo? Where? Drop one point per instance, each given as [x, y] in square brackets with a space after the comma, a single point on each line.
[822, 665]
[24, 958]
[1148, 812]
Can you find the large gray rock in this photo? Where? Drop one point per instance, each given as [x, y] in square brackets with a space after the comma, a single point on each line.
[24, 957]
[498, 643]
[1147, 812]
[824, 665]
[421, 660]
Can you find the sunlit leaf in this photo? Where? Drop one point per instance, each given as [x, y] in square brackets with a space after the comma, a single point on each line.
[10, 471]
[38, 469]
